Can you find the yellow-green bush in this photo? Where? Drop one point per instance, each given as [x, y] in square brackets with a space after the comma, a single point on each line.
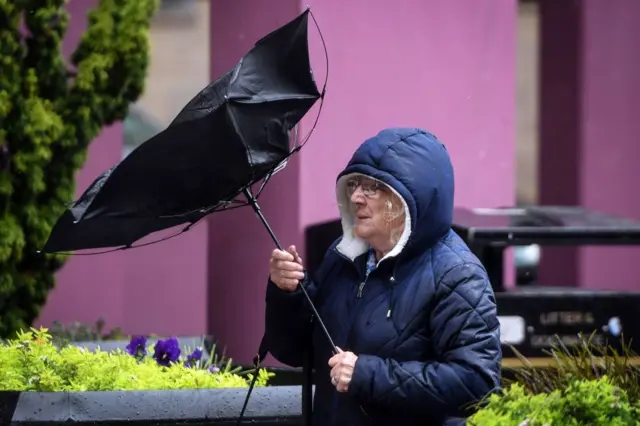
[583, 403]
[49, 114]
[32, 363]
[585, 385]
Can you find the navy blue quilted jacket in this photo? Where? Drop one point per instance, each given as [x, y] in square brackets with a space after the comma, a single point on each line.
[424, 325]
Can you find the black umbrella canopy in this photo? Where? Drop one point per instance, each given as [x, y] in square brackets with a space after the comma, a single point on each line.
[232, 134]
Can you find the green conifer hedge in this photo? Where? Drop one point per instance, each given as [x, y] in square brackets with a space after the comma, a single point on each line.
[50, 110]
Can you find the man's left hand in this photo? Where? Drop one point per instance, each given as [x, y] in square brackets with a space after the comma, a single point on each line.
[342, 365]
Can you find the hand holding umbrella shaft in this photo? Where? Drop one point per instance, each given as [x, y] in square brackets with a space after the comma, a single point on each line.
[285, 269]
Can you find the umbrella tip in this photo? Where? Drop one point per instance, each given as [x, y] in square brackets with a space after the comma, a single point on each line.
[308, 7]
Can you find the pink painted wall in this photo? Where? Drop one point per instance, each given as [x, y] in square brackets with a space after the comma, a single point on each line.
[446, 66]
[155, 289]
[611, 101]
[589, 148]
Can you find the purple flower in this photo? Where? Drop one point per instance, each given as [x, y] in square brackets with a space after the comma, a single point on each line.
[137, 346]
[214, 369]
[193, 358]
[166, 351]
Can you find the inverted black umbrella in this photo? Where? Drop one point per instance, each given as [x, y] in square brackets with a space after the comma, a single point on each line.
[232, 135]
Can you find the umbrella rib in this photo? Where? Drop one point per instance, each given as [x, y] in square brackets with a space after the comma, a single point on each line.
[264, 184]
[132, 246]
[260, 98]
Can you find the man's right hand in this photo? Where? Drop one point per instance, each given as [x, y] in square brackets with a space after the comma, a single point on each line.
[285, 268]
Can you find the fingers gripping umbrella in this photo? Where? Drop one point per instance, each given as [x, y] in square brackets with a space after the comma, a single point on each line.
[232, 135]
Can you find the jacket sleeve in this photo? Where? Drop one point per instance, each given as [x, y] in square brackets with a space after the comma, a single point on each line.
[466, 334]
[287, 323]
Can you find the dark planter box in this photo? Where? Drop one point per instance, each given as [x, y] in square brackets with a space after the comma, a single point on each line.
[275, 405]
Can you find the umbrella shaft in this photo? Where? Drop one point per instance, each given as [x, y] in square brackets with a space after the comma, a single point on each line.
[256, 207]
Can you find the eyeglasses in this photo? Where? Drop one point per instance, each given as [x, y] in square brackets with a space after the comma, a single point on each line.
[369, 186]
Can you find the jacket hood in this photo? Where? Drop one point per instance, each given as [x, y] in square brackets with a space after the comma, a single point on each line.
[417, 166]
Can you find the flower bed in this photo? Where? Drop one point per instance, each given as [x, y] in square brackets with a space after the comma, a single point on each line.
[157, 381]
[31, 362]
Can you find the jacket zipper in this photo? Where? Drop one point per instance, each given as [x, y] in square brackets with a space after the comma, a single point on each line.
[355, 315]
[335, 401]
[356, 309]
